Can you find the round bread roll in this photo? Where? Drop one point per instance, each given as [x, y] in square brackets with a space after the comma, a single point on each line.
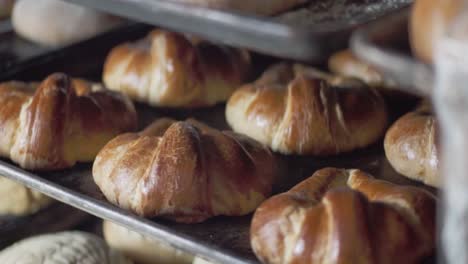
[185, 171]
[166, 69]
[62, 248]
[429, 21]
[259, 7]
[410, 146]
[345, 216]
[57, 23]
[298, 110]
[17, 200]
[347, 64]
[141, 249]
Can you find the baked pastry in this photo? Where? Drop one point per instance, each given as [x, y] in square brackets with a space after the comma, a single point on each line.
[429, 21]
[259, 7]
[61, 122]
[57, 23]
[62, 248]
[169, 70]
[141, 249]
[347, 64]
[17, 200]
[298, 110]
[410, 146]
[184, 171]
[345, 216]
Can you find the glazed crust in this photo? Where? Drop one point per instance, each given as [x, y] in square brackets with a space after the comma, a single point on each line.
[298, 110]
[169, 70]
[345, 216]
[54, 124]
[184, 171]
[410, 146]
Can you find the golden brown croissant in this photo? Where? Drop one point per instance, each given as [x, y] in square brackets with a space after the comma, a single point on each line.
[294, 109]
[185, 171]
[61, 122]
[170, 70]
[410, 146]
[345, 216]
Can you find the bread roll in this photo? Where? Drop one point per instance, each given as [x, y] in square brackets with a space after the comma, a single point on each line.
[17, 200]
[298, 110]
[410, 146]
[184, 171]
[259, 7]
[169, 70]
[62, 122]
[62, 248]
[429, 21]
[57, 23]
[345, 216]
[141, 249]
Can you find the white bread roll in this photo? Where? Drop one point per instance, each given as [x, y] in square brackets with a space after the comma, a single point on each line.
[57, 23]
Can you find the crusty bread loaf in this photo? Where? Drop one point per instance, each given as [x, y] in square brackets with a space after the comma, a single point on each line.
[18, 200]
[345, 216]
[259, 7]
[184, 171]
[57, 23]
[298, 110]
[169, 70]
[54, 124]
[62, 248]
[410, 146]
[430, 19]
[142, 249]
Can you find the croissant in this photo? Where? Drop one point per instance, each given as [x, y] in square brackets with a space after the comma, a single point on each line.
[169, 70]
[345, 216]
[62, 122]
[184, 171]
[298, 110]
[410, 146]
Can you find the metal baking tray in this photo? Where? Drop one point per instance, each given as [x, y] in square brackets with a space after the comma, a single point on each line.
[220, 239]
[56, 217]
[385, 44]
[309, 33]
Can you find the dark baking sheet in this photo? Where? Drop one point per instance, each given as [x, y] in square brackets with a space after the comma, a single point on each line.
[220, 239]
[385, 44]
[56, 217]
[309, 33]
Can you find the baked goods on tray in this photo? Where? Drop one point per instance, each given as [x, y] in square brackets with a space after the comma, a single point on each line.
[142, 249]
[259, 7]
[61, 121]
[410, 146]
[429, 21]
[345, 216]
[185, 171]
[297, 110]
[62, 248]
[166, 69]
[57, 23]
[18, 200]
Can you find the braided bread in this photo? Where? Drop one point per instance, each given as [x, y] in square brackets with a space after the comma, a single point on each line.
[294, 109]
[169, 70]
[61, 122]
[410, 146]
[345, 216]
[185, 171]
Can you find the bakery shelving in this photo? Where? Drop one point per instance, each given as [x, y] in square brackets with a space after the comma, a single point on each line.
[311, 41]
